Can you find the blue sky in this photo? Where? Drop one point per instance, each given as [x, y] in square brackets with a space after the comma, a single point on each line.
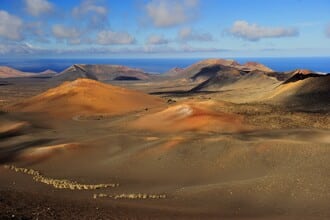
[164, 28]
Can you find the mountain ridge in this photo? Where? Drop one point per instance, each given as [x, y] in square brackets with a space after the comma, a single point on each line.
[101, 72]
[8, 72]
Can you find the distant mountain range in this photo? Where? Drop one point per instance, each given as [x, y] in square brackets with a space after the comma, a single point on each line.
[102, 73]
[8, 72]
[252, 81]
[211, 66]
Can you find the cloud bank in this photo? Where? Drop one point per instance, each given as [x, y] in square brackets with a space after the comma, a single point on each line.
[170, 13]
[70, 34]
[96, 15]
[156, 39]
[254, 32]
[327, 31]
[10, 26]
[38, 7]
[111, 38]
[188, 34]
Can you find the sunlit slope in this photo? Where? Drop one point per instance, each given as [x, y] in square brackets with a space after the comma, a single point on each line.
[85, 96]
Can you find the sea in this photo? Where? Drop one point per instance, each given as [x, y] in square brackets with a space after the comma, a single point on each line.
[162, 65]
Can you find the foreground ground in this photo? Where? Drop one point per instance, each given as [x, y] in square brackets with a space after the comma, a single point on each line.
[193, 157]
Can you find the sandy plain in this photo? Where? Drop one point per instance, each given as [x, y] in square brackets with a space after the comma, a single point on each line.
[253, 148]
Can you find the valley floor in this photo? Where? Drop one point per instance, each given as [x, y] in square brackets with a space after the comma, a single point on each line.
[255, 160]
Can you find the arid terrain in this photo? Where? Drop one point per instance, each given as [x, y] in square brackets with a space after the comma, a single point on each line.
[215, 140]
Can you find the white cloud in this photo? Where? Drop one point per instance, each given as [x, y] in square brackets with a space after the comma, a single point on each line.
[15, 49]
[156, 39]
[171, 12]
[184, 49]
[65, 32]
[254, 32]
[21, 48]
[111, 37]
[35, 30]
[191, 3]
[327, 31]
[89, 6]
[38, 7]
[96, 15]
[190, 49]
[10, 26]
[188, 34]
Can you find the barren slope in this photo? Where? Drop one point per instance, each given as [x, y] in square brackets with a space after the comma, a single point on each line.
[305, 90]
[209, 66]
[85, 96]
[191, 116]
[7, 72]
[102, 73]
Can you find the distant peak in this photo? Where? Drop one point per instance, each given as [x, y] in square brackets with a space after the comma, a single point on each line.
[257, 66]
[302, 74]
[48, 71]
[248, 66]
[303, 71]
[176, 69]
[223, 62]
[7, 72]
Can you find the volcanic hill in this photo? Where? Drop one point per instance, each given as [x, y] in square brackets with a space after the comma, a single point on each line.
[8, 72]
[102, 73]
[211, 66]
[86, 97]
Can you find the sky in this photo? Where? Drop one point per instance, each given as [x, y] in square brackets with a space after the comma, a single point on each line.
[164, 28]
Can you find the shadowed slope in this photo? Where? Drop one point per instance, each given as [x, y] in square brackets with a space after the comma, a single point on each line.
[210, 67]
[251, 66]
[301, 75]
[218, 80]
[235, 80]
[74, 72]
[306, 90]
[102, 73]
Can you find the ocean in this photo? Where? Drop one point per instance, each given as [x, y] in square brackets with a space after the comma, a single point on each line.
[161, 65]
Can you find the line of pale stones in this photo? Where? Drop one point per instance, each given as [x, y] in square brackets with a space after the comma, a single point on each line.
[72, 185]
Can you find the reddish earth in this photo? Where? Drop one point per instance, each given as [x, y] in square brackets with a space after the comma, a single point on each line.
[87, 97]
[191, 117]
